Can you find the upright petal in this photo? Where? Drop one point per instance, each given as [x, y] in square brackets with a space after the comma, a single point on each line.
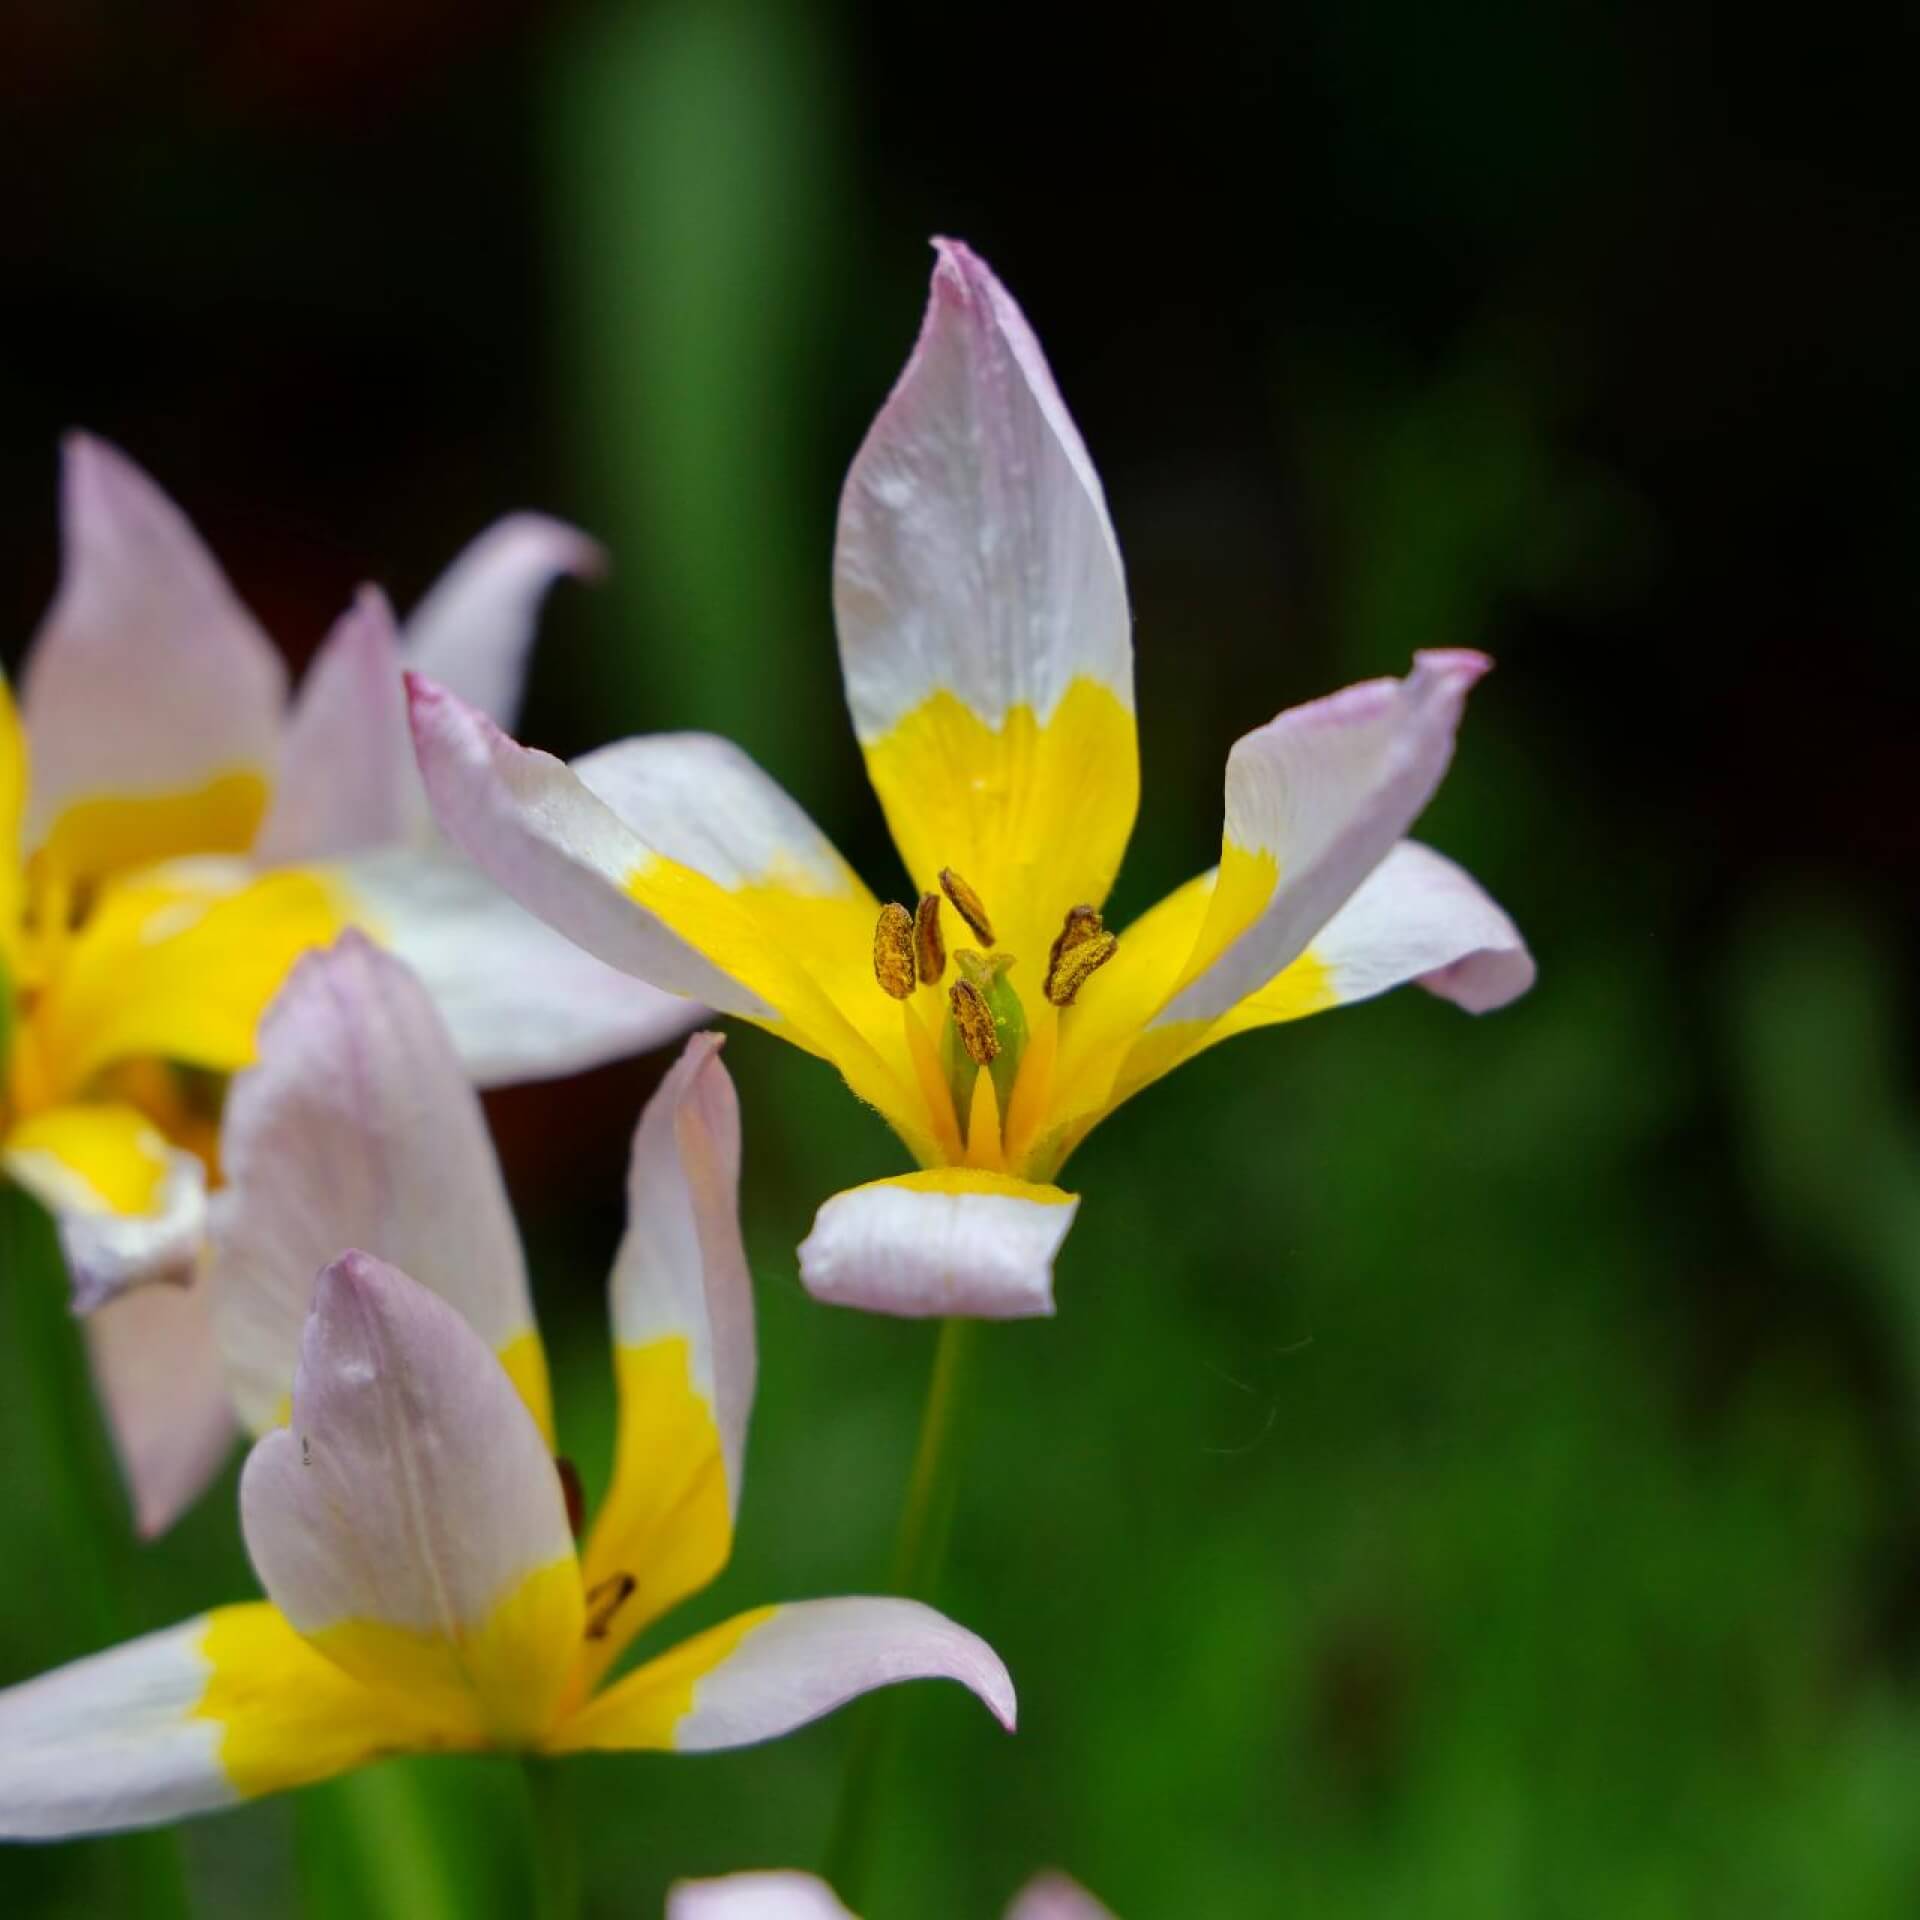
[474, 630]
[676, 859]
[157, 1370]
[131, 1209]
[358, 1129]
[13, 807]
[950, 1241]
[348, 780]
[188, 1720]
[521, 1001]
[152, 698]
[1052, 1896]
[682, 1304]
[982, 612]
[762, 1674]
[410, 1523]
[755, 1896]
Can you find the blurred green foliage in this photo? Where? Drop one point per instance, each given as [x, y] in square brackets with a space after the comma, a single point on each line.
[1473, 1470]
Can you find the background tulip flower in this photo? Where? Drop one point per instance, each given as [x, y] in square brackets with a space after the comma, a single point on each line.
[408, 1522]
[800, 1896]
[986, 647]
[173, 836]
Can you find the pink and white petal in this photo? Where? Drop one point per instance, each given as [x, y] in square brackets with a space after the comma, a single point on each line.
[755, 1896]
[974, 553]
[110, 1251]
[521, 1001]
[941, 1243]
[681, 1269]
[147, 676]
[765, 1673]
[357, 1128]
[532, 825]
[409, 1523]
[474, 630]
[156, 1368]
[1052, 1896]
[1316, 799]
[347, 775]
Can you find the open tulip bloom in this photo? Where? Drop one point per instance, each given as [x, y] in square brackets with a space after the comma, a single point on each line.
[173, 836]
[991, 1016]
[800, 1896]
[408, 1520]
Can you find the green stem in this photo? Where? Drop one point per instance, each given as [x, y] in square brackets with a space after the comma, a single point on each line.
[92, 1539]
[556, 1841]
[920, 1551]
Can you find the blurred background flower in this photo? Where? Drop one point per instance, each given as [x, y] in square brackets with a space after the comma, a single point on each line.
[1502, 1499]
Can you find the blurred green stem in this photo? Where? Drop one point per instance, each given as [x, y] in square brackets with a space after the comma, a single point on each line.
[920, 1551]
[556, 1841]
[91, 1532]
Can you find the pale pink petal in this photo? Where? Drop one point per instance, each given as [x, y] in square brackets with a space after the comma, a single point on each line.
[347, 775]
[681, 1270]
[412, 1490]
[147, 675]
[157, 1370]
[974, 553]
[791, 1665]
[1316, 800]
[357, 1128]
[535, 828]
[1052, 1896]
[474, 630]
[755, 1896]
[939, 1244]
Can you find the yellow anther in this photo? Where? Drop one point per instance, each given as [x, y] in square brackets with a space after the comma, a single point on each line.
[929, 945]
[1081, 925]
[1077, 965]
[968, 905]
[973, 1020]
[893, 951]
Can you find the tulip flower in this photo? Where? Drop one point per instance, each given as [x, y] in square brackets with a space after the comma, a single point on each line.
[411, 1527]
[799, 1896]
[990, 1014]
[173, 837]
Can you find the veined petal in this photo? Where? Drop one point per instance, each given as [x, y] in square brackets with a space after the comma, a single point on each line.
[682, 1305]
[474, 630]
[764, 1673]
[410, 1523]
[358, 1129]
[152, 697]
[1315, 801]
[188, 1720]
[176, 965]
[158, 1374]
[982, 613]
[1052, 1896]
[521, 1001]
[950, 1241]
[674, 858]
[755, 1896]
[347, 775]
[130, 1208]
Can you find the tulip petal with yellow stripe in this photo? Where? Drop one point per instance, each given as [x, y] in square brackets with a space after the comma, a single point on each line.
[174, 835]
[990, 1014]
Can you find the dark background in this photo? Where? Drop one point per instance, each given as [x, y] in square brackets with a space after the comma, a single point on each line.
[1473, 1470]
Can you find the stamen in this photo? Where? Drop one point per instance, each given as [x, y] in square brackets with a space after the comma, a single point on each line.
[573, 1493]
[929, 944]
[1081, 925]
[968, 905]
[605, 1599]
[973, 1018]
[893, 951]
[1077, 965]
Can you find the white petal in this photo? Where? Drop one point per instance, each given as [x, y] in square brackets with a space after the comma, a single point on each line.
[974, 552]
[148, 675]
[357, 1128]
[953, 1242]
[755, 1896]
[474, 630]
[1052, 1896]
